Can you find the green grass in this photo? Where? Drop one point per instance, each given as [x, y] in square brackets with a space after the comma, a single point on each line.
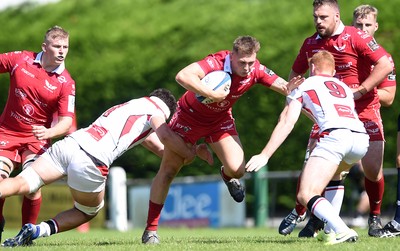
[246, 239]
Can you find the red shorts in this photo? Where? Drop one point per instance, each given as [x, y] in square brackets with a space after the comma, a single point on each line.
[13, 144]
[371, 117]
[184, 125]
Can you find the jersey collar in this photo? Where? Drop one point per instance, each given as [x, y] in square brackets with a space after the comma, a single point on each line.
[57, 70]
[338, 31]
[227, 64]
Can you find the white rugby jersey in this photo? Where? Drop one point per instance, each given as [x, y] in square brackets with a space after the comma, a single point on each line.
[120, 128]
[329, 102]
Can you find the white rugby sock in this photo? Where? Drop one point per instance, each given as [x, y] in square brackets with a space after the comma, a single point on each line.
[324, 211]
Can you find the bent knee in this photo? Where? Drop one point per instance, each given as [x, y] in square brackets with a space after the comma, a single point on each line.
[90, 211]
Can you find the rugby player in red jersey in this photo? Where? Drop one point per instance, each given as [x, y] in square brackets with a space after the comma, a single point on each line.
[40, 85]
[214, 122]
[354, 52]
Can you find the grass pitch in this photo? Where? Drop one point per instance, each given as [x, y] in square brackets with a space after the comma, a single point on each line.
[204, 239]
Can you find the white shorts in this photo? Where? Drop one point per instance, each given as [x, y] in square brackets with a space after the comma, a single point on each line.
[82, 173]
[342, 144]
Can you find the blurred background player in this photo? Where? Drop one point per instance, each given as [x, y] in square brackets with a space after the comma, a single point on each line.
[342, 141]
[357, 52]
[86, 155]
[214, 122]
[392, 228]
[40, 86]
[365, 18]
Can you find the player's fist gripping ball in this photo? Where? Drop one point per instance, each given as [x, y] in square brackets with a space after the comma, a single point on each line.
[215, 80]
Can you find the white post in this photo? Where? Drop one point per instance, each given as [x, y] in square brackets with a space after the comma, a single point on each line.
[118, 199]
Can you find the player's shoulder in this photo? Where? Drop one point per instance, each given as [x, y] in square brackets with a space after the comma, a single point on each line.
[17, 55]
[219, 55]
[350, 32]
[309, 39]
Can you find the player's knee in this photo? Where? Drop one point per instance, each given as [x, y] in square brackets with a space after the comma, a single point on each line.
[90, 211]
[28, 163]
[32, 179]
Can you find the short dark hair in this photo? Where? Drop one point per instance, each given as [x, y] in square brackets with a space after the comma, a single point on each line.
[332, 3]
[167, 97]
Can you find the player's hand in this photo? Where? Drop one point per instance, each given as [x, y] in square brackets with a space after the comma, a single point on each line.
[205, 154]
[294, 83]
[40, 132]
[256, 162]
[220, 94]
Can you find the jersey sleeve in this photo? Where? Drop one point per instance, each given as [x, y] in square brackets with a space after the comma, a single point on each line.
[7, 60]
[390, 80]
[213, 62]
[367, 46]
[265, 76]
[66, 103]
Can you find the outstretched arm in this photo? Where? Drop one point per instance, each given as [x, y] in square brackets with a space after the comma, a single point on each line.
[171, 140]
[280, 85]
[287, 120]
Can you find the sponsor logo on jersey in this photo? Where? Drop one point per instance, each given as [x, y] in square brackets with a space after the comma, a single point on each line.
[228, 127]
[49, 86]
[62, 79]
[223, 103]
[371, 127]
[344, 66]
[269, 72]
[97, 132]
[210, 62]
[3, 143]
[236, 96]
[71, 103]
[373, 45]
[183, 127]
[28, 73]
[28, 109]
[21, 118]
[344, 111]
[245, 81]
[19, 93]
[40, 103]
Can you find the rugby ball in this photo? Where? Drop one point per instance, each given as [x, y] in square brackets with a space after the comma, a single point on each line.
[215, 80]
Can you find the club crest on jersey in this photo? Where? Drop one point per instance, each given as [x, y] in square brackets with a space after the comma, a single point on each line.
[346, 36]
[49, 86]
[340, 48]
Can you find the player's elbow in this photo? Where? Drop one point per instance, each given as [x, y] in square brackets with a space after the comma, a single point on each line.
[386, 102]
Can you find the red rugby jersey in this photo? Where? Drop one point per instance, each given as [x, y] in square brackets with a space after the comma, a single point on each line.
[34, 94]
[209, 113]
[354, 52]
